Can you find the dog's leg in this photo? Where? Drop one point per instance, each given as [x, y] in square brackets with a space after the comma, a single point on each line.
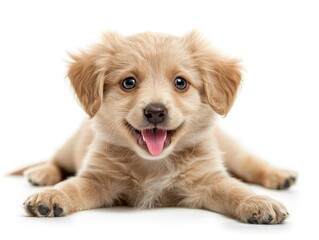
[251, 169]
[74, 194]
[67, 160]
[50, 172]
[226, 195]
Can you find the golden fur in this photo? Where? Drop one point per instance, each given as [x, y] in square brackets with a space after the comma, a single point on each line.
[112, 169]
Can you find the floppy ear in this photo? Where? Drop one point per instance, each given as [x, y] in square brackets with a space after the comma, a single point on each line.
[221, 76]
[87, 81]
[221, 82]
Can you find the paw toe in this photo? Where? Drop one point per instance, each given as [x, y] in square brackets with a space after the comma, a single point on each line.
[57, 210]
[30, 209]
[281, 217]
[287, 182]
[43, 209]
[253, 219]
[268, 220]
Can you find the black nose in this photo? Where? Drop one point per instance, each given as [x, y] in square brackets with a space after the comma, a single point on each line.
[155, 113]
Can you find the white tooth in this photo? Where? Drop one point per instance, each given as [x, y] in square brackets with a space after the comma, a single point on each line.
[143, 137]
[165, 137]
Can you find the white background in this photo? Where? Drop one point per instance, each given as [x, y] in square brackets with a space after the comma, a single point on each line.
[275, 116]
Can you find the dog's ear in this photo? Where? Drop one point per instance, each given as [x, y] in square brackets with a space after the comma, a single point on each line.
[221, 76]
[87, 81]
[221, 82]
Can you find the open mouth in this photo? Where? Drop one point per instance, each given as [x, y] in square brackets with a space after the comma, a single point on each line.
[154, 140]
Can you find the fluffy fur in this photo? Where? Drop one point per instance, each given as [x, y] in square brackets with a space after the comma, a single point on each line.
[112, 168]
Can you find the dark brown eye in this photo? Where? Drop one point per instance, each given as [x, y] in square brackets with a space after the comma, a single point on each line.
[129, 83]
[180, 83]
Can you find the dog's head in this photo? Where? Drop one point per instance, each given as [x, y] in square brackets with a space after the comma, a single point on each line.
[153, 93]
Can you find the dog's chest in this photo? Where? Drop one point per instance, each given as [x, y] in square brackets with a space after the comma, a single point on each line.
[149, 191]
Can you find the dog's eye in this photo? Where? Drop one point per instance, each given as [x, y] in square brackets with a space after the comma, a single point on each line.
[129, 83]
[180, 83]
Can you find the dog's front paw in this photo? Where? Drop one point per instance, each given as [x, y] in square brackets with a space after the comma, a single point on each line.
[279, 178]
[262, 210]
[47, 203]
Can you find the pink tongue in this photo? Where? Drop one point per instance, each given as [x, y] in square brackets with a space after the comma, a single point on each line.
[154, 139]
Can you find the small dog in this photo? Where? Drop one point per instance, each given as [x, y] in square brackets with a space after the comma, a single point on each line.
[151, 140]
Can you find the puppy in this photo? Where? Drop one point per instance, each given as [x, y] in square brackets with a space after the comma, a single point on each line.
[151, 140]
